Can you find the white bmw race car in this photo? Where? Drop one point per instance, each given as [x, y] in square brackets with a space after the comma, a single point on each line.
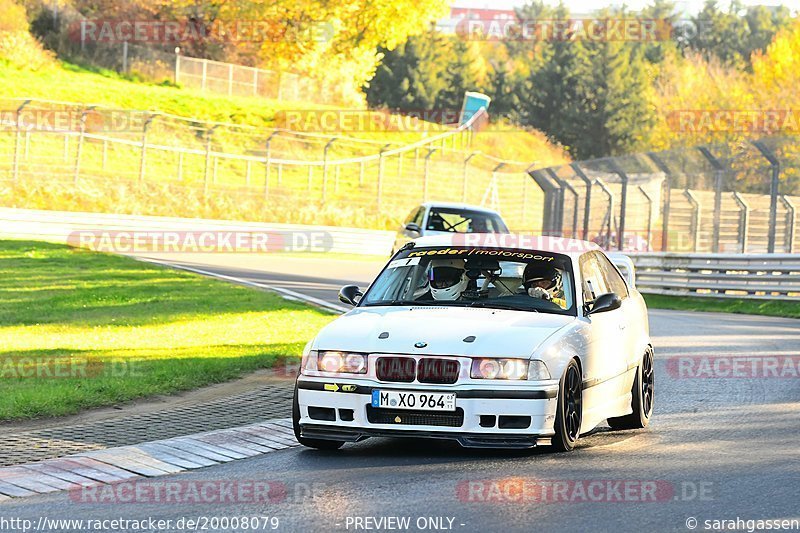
[516, 344]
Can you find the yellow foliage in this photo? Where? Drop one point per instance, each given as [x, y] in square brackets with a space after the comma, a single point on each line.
[776, 71]
[21, 50]
[12, 18]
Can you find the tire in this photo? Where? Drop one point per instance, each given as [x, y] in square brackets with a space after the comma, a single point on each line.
[319, 444]
[641, 397]
[569, 411]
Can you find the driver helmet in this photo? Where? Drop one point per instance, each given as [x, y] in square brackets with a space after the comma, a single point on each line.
[538, 279]
[447, 279]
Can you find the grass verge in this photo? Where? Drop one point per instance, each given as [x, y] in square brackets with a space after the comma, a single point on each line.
[80, 329]
[750, 306]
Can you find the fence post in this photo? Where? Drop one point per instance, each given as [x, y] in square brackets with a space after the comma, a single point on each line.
[17, 139]
[790, 221]
[431, 151]
[492, 188]
[325, 168]
[773, 193]
[565, 185]
[124, 57]
[623, 203]
[180, 166]
[550, 200]
[399, 164]
[81, 133]
[464, 176]
[209, 133]
[649, 214]
[744, 219]
[143, 160]
[587, 202]
[203, 78]
[610, 216]
[696, 219]
[665, 210]
[177, 65]
[380, 176]
[268, 163]
[230, 79]
[718, 170]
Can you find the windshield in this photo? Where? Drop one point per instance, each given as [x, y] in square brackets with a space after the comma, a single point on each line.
[461, 221]
[500, 278]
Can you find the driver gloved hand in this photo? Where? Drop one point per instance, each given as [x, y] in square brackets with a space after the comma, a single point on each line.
[538, 292]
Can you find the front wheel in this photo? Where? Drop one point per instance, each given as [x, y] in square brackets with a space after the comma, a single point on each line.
[320, 444]
[641, 397]
[569, 412]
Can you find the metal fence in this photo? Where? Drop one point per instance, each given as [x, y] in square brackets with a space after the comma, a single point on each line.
[774, 276]
[162, 61]
[240, 80]
[721, 199]
[283, 176]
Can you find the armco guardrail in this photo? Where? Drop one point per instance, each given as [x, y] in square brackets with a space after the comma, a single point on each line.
[774, 276]
[56, 226]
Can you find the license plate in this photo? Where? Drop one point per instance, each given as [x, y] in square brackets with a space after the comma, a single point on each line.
[425, 401]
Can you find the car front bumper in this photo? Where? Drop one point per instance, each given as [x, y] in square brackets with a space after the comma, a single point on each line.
[497, 417]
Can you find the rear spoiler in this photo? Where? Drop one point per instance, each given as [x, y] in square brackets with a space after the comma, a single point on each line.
[625, 266]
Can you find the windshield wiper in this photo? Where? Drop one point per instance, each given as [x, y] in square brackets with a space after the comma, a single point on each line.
[401, 302]
[496, 305]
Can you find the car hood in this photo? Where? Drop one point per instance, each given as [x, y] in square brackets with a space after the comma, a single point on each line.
[497, 332]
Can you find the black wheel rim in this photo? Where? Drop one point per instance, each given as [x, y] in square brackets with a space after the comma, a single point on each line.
[648, 382]
[572, 403]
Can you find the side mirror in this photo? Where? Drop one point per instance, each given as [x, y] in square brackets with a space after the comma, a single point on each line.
[413, 228]
[605, 302]
[350, 294]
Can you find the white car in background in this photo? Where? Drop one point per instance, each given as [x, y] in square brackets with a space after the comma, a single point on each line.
[440, 218]
[506, 344]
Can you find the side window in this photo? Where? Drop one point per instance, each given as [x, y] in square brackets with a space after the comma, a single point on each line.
[419, 217]
[593, 281]
[613, 278]
[412, 216]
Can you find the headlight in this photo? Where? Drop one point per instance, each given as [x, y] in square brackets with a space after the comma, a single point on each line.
[537, 371]
[499, 369]
[336, 362]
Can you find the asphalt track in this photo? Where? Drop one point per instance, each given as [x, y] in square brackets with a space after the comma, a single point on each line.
[720, 447]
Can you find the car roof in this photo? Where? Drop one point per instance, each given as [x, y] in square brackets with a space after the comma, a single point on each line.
[541, 243]
[455, 205]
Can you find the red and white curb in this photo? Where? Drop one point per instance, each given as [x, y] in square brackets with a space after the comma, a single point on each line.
[150, 459]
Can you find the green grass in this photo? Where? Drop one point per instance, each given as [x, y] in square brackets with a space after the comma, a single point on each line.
[128, 329]
[72, 83]
[749, 306]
